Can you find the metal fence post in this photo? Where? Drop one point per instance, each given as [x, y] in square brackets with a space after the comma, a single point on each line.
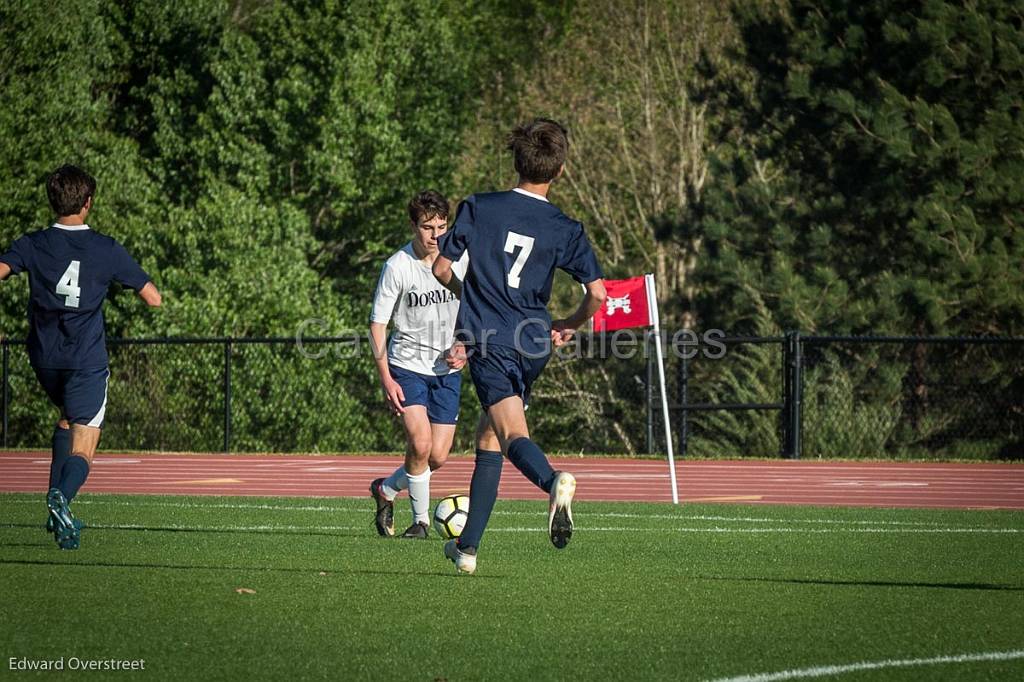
[227, 395]
[786, 392]
[4, 400]
[798, 394]
[793, 387]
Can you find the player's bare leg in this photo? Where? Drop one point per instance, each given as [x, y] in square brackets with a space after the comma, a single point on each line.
[442, 436]
[419, 439]
[84, 441]
[508, 418]
[418, 448]
[508, 421]
[486, 439]
[418, 472]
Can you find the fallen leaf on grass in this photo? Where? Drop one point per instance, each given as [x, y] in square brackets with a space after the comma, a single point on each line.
[244, 590]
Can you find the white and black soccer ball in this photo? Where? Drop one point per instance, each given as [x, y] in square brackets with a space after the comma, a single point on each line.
[450, 515]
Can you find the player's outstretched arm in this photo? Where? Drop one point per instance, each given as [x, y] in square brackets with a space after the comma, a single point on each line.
[150, 295]
[444, 274]
[562, 330]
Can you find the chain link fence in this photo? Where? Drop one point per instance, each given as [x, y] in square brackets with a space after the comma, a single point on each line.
[726, 398]
[913, 397]
[827, 397]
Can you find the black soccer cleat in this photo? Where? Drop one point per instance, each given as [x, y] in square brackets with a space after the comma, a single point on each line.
[50, 528]
[385, 518]
[65, 531]
[560, 509]
[417, 531]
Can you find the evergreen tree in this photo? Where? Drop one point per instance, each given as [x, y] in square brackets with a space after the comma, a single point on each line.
[869, 177]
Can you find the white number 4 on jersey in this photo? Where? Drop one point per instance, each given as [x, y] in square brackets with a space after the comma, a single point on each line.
[525, 245]
[68, 287]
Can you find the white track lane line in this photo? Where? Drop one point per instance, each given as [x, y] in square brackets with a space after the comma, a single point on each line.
[496, 512]
[542, 529]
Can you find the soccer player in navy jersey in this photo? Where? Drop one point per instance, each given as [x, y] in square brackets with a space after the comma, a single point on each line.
[515, 240]
[70, 268]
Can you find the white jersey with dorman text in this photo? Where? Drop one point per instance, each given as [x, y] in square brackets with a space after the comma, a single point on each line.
[422, 311]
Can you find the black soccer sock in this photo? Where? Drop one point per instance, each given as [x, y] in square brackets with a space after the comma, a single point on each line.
[60, 450]
[483, 491]
[530, 459]
[73, 476]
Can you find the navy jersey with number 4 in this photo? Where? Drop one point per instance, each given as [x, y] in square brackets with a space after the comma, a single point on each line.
[515, 240]
[70, 269]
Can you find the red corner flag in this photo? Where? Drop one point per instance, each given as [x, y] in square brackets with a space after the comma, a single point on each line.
[633, 302]
[627, 305]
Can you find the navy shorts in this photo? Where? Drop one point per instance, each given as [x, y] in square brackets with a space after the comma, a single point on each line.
[439, 394]
[81, 394]
[501, 372]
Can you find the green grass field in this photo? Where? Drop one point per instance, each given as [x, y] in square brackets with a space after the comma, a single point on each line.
[645, 591]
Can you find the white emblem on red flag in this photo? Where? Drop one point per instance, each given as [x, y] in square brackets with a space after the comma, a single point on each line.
[621, 303]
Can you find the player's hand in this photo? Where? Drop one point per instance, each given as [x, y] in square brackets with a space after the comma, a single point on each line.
[393, 396]
[561, 333]
[456, 356]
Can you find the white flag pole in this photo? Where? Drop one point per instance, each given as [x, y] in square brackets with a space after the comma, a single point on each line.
[652, 303]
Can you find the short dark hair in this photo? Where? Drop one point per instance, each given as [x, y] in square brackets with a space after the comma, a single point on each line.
[68, 188]
[539, 148]
[427, 204]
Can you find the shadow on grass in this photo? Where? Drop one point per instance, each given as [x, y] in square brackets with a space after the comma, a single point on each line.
[201, 529]
[868, 583]
[29, 545]
[242, 569]
[171, 529]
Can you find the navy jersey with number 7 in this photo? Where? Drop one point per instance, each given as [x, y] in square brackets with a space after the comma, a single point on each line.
[70, 269]
[515, 240]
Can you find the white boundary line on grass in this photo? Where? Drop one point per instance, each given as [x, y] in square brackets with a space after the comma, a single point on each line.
[538, 529]
[823, 670]
[840, 525]
[608, 515]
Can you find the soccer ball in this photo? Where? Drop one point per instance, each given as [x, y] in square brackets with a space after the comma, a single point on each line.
[450, 516]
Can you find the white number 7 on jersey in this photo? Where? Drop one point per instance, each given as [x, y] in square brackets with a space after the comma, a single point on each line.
[67, 285]
[526, 245]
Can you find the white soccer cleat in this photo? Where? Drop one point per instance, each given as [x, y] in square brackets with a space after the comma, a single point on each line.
[464, 561]
[560, 509]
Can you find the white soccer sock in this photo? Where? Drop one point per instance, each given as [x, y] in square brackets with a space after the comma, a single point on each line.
[419, 496]
[395, 483]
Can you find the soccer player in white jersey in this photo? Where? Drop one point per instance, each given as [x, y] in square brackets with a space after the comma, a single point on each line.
[421, 385]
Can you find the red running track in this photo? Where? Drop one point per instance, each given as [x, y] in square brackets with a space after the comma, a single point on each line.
[792, 482]
[875, 484]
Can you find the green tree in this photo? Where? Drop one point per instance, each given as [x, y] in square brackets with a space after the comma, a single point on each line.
[256, 157]
[868, 178]
[620, 78]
